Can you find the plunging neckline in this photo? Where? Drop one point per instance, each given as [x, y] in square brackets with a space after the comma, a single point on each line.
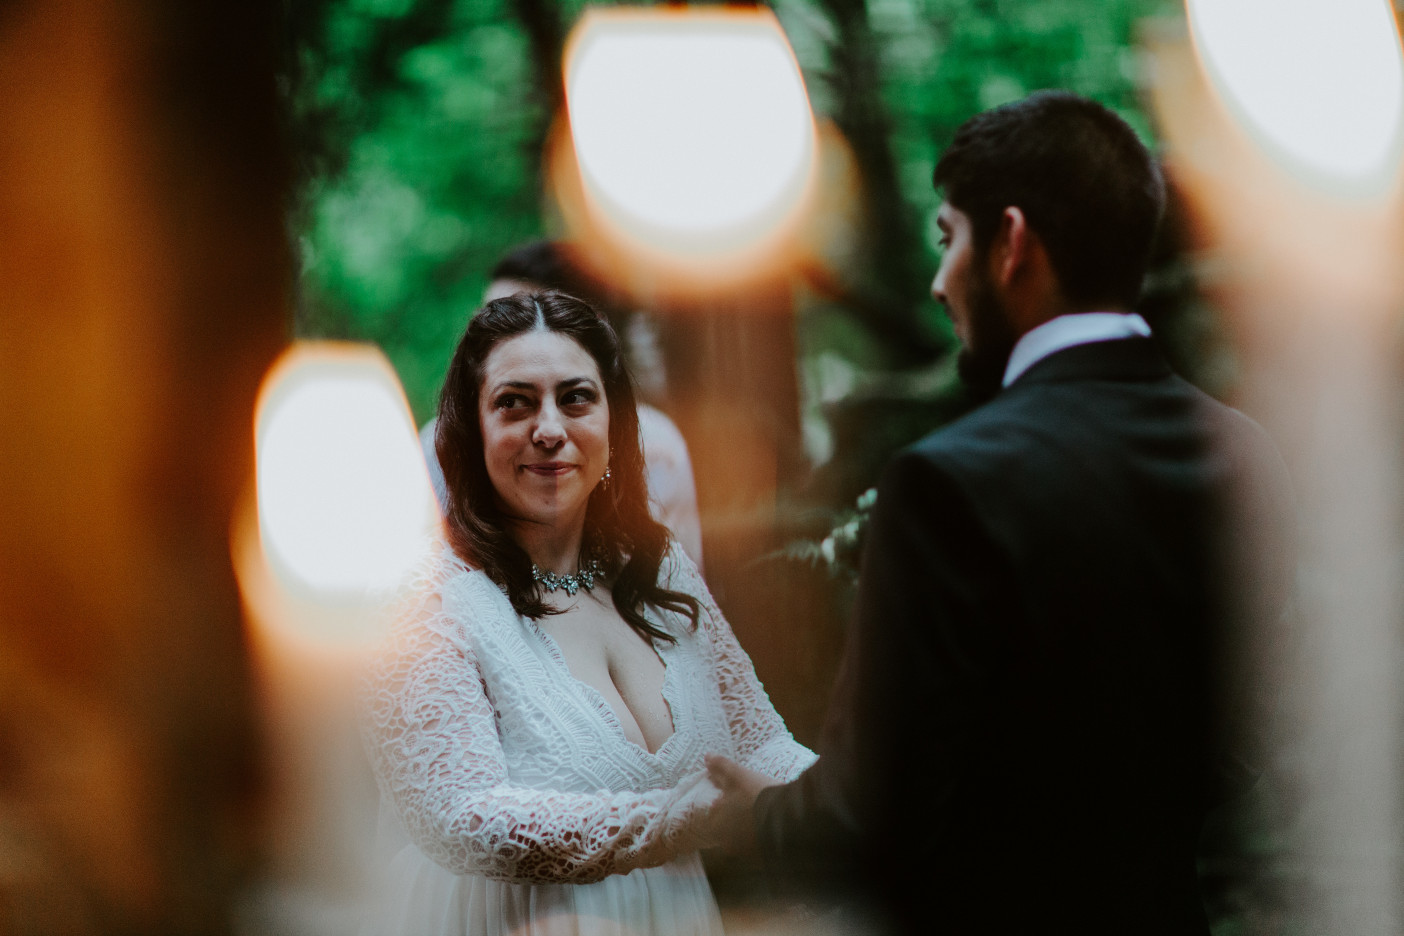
[596, 700]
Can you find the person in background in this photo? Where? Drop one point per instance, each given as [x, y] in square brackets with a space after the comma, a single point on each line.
[672, 491]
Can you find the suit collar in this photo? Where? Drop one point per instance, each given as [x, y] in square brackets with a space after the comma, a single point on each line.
[1118, 359]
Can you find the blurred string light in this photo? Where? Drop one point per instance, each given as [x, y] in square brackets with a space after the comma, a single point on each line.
[1282, 127]
[344, 507]
[1319, 83]
[693, 137]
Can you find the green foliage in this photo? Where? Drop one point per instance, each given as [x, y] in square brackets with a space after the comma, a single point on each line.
[839, 551]
[948, 59]
[428, 130]
[419, 124]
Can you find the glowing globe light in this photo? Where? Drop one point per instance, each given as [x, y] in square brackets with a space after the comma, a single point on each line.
[1319, 82]
[344, 504]
[692, 128]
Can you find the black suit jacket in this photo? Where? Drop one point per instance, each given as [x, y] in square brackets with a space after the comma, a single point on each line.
[1025, 734]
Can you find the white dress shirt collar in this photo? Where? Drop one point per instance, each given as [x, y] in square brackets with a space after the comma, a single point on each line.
[1065, 331]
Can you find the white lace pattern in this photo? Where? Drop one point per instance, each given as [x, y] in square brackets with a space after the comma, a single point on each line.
[499, 763]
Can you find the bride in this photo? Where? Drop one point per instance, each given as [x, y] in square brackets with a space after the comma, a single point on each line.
[539, 724]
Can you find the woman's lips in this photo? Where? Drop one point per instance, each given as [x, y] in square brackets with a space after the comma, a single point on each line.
[549, 469]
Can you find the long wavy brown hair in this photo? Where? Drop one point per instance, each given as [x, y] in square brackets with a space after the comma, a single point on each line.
[618, 526]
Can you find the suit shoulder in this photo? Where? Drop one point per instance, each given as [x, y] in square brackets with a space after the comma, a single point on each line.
[1221, 418]
[992, 431]
[1245, 447]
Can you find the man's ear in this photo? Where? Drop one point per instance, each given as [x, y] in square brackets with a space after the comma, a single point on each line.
[1012, 244]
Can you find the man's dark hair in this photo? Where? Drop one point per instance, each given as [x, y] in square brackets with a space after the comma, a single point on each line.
[1084, 181]
[618, 525]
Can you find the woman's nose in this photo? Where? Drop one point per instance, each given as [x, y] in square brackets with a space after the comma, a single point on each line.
[550, 429]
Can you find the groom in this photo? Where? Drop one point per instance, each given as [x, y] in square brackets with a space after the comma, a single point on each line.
[1027, 730]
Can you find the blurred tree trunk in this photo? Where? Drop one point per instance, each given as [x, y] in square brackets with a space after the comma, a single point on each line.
[892, 282]
[144, 271]
[545, 30]
[734, 394]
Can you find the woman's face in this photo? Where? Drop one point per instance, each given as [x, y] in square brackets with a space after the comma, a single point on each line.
[545, 424]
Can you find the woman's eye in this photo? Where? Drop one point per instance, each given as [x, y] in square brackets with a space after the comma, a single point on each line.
[510, 401]
[577, 397]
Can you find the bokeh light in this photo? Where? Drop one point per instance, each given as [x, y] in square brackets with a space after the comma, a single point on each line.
[344, 505]
[692, 128]
[1319, 83]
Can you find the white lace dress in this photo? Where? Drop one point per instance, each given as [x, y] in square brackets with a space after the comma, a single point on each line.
[511, 801]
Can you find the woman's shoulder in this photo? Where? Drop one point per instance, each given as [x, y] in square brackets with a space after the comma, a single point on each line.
[677, 571]
[450, 592]
[437, 566]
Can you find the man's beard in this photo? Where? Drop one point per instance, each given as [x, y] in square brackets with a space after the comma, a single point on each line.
[982, 361]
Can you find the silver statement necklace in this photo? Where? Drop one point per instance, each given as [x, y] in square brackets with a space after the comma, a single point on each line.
[584, 578]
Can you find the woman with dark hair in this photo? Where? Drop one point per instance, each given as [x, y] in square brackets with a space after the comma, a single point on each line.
[539, 726]
[542, 266]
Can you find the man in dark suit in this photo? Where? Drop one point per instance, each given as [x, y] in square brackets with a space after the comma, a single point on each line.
[1027, 729]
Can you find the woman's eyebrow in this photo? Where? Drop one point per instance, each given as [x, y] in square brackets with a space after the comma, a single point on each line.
[513, 385]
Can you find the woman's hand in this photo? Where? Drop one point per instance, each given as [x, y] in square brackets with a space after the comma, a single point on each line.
[731, 824]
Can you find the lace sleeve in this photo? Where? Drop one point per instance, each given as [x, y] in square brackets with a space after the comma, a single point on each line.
[431, 735]
[762, 741]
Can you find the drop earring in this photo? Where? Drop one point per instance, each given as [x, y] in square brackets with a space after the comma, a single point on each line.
[604, 479]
